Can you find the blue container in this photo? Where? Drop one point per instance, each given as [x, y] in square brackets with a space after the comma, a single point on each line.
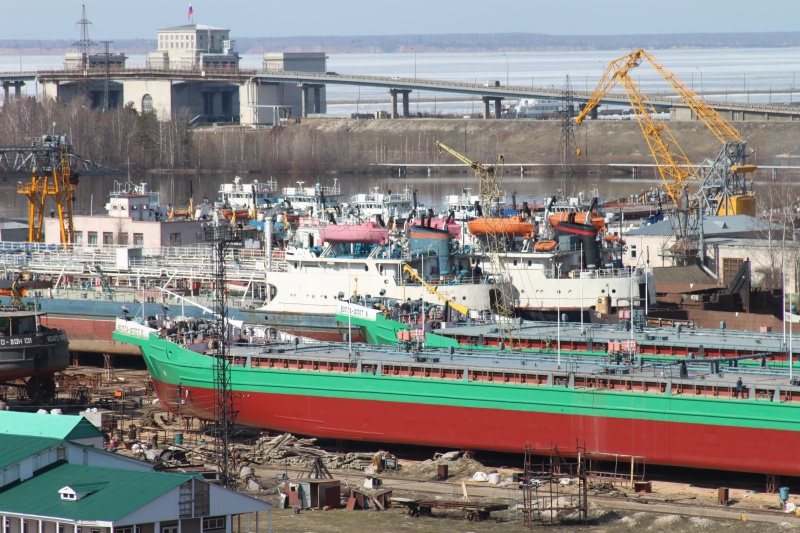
[179, 442]
[784, 491]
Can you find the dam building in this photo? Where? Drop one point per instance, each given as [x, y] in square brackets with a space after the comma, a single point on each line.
[158, 87]
[197, 68]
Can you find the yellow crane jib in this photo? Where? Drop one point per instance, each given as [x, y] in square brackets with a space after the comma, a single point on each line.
[720, 181]
[432, 290]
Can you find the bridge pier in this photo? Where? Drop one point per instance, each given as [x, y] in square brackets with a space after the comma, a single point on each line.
[317, 99]
[404, 93]
[498, 106]
[304, 102]
[17, 89]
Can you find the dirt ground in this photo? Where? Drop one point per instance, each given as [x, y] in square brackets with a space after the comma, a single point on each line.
[671, 507]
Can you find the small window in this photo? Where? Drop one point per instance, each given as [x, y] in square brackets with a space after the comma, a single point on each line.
[108, 238]
[633, 250]
[216, 522]
[174, 239]
[92, 238]
[122, 238]
[78, 237]
[138, 239]
[147, 103]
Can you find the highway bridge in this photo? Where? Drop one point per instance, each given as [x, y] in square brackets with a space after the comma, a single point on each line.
[402, 87]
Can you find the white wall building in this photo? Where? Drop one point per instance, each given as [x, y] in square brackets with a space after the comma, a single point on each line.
[193, 46]
[268, 103]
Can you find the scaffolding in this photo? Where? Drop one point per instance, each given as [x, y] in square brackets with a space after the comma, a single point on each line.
[553, 486]
[617, 469]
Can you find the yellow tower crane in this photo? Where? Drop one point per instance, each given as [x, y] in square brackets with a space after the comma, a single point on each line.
[490, 180]
[722, 189]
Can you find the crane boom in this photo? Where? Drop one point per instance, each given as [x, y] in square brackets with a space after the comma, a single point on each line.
[431, 289]
[672, 164]
[722, 189]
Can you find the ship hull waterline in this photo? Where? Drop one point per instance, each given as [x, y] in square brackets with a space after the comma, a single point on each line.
[724, 434]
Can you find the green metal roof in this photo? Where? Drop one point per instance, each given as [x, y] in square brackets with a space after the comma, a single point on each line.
[120, 492]
[14, 448]
[67, 427]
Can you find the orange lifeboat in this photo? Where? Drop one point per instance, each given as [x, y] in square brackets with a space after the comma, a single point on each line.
[579, 217]
[545, 245]
[240, 214]
[515, 226]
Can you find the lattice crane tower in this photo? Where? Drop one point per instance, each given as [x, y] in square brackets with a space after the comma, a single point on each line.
[490, 178]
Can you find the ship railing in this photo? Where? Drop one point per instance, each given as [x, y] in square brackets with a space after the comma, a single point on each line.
[600, 273]
[190, 261]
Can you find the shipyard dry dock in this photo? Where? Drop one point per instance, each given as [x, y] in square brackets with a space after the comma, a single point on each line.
[672, 413]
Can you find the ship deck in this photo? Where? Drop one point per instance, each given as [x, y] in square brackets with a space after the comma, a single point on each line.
[652, 341]
[709, 377]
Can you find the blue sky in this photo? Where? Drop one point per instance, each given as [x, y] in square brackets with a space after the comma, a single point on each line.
[129, 19]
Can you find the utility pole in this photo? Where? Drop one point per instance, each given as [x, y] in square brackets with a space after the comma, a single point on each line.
[107, 55]
[221, 238]
[84, 45]
[568, 145]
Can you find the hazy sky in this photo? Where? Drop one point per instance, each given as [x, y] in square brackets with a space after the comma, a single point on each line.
[117, 19]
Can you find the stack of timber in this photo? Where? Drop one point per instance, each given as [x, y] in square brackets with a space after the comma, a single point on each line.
[289, 450]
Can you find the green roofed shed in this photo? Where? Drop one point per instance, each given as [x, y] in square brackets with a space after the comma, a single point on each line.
[14, 448]
[107, 494]
[65, 427]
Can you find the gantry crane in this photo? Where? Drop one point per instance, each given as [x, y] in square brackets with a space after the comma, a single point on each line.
[47, 168]
[721, 190]
[490, 179]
